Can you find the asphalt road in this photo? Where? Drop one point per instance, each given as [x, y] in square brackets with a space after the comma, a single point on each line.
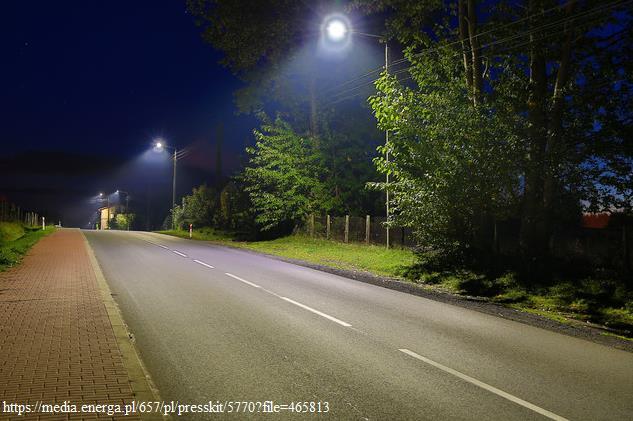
[215, 323]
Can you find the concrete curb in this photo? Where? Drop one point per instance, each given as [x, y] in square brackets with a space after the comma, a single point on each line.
[140, 381]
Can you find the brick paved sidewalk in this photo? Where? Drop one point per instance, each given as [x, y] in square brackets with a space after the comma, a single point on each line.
[56, 340]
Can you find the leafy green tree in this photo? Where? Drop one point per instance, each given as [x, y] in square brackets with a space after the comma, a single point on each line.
[549, 82]
[122, 221]
[455, 169]
[199, 208]
[284, 177]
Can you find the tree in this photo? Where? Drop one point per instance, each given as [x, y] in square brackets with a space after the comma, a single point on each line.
[284, 177]
[455, 169]
[199, 208]
[551, 79]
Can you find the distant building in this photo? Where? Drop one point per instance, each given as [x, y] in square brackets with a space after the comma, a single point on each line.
[104, 214]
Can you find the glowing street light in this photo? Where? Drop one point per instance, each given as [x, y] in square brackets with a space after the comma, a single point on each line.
[160, 145]
[107, 199]
[127, 205]
[337, 28]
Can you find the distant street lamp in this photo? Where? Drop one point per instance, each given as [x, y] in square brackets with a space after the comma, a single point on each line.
[336, 29]
[127, 206]
[107, 198]
[160, 145]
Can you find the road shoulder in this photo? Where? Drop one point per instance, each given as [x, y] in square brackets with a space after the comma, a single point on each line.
[573, 328]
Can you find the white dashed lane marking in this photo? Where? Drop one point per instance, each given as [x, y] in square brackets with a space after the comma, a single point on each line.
[485, 386]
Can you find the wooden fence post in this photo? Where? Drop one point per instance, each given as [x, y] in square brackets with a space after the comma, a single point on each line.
[367, 228]
[625, 249]
[346, 228]
[327, 226]
[312, 225]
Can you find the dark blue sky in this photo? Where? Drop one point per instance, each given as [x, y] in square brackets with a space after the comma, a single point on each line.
[102, 79]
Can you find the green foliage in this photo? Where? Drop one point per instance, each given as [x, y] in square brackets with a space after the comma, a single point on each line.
[199, 208]
[235, 212]
[10, 231]
[122, 221]
[453, 167]
[11, 252]
[284, 177]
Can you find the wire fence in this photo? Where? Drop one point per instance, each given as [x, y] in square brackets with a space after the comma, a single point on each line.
[605, 247]
[10, 212]
[357, 229]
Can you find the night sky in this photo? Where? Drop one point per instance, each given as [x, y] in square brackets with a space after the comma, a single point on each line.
[87, 85]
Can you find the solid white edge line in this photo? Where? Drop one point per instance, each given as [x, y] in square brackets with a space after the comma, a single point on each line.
[485, 386]
[179, 253]
[203, 264]
[242, 280]
[327, 316]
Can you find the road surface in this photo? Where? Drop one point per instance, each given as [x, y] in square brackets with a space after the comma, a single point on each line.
[219, 324]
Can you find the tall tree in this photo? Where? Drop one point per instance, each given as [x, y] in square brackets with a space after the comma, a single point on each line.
[559, 72]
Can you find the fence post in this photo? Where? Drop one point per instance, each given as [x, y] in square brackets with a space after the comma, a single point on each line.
[625, 247]
[312, 225]
[327, 227]
[346, 228]
[367, 228]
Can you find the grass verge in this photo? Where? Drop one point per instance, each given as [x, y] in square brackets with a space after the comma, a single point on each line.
[13, 247]
[350, 256]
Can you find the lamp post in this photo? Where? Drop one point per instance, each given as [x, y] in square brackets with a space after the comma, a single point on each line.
[107, 198]
[127, 206]
[337, 29]
[160, 145]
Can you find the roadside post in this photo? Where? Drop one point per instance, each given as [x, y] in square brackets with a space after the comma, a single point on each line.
[43, 223]
[190, 230]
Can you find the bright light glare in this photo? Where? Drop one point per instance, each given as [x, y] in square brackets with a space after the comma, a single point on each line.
[336, 30]
[159, 145]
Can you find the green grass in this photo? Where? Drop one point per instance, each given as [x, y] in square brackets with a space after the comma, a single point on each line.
[351, 256]
[205, 234]
[13, 247]
[10, 231]
[603, 302]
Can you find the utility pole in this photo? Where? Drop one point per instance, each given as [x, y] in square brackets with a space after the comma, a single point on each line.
[219, 139]
[387, 146]
[173, 192]
[127, 210]
[107, 212]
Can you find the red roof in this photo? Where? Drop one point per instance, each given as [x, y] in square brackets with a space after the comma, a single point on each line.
[595, 220]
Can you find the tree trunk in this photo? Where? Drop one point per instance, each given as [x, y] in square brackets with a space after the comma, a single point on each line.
[554, 144]
[475, 51]
[462, 12]
[533, 238]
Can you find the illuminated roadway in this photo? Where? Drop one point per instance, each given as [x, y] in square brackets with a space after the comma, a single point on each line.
[215, 323]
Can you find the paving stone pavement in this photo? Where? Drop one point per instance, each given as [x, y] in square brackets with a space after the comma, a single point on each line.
[56, 341]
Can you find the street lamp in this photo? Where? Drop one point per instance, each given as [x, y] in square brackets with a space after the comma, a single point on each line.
[336, 30]
[127, 206]
[107, 198]
[160, 145]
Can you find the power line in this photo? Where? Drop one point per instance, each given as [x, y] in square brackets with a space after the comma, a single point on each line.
[493, 43]
[549, 25]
